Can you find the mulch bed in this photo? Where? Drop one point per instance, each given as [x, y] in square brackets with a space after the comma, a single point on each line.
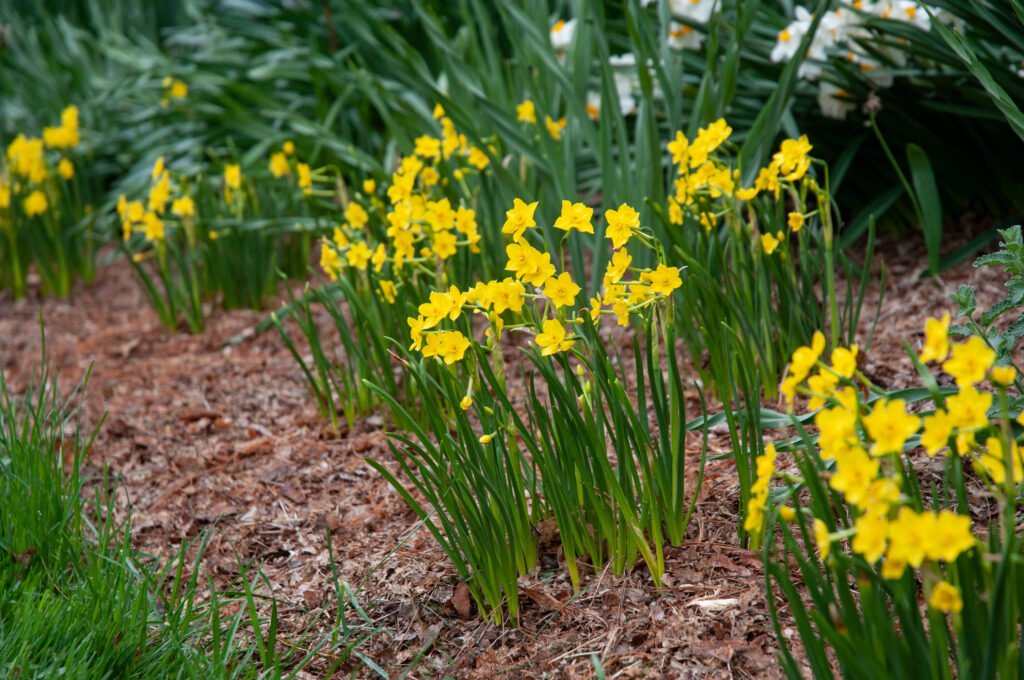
[206, 435]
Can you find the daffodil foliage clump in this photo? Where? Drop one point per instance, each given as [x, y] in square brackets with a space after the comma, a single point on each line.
[200, 239]
[43, 220]
[584, 450]
[580, 451]
[902, 580]
[760, 248]
[389, 246]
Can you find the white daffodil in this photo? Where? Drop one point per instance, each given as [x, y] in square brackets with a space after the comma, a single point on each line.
[627, 60]
[697, 11]
[593, 105]
[683, 37]
[562, 33]
[789, 38]
[624, 89]
[833, 101]
[870, 67]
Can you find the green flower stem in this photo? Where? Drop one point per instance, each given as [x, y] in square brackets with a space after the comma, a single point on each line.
[18, 281]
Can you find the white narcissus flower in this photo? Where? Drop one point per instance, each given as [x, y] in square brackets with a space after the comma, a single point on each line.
[833, 101]
[914, 12]
[838, 26]
[562, 33]
[697, 11]
[683, 37]
[789, 38]
[593, 105]
[902, 10]
[624, 89]
[871, 68]
[627, 60]
[626, 80]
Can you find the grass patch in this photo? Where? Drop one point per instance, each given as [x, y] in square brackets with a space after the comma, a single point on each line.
[76, 601]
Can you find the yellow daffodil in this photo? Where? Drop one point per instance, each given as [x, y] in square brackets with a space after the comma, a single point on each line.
[526, 112]
[969, 408]
[444, 244]
[178, 90]
[279, 164]
[159, 194]
[519, 219]
[663, 280]
[678, 148]
[870, 540]
[621, 223]
[617, 266]
[993, 461]
[330, 260]
[949, 536]
[477, 158]
[822, 538]
[792, 158]
[821, 385]
[358, 255]
[356, 216]
[889, 425]
[35, 203]
[844, 361]
[945, 598]
[575, 216]
[552, 339]
[427, 147]
[305, 178]
[561, 291]
[936, 344]
[1003, 375]
[152, 227]
[938, 428]
[804, 358]
[856, 470]
[969, 361]
[452, 346]
[416, 328]
[183, 207]
[554, 127]
[233, 176]
[388, 290]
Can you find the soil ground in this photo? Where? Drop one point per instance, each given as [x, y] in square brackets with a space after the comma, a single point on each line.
[204, 434]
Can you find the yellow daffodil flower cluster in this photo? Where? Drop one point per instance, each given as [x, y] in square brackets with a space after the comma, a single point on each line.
[26, 168]
[421, 226]
[707, 187]
[526, 112]
[173, 89]
[148, 217]
[759, 491]
[555, 294]
[232, 181]
[283, 163]
[862, 438]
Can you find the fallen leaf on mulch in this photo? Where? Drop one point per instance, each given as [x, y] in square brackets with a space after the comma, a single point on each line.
[462, 603]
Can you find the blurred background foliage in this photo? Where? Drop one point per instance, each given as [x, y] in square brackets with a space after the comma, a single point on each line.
[355, 82]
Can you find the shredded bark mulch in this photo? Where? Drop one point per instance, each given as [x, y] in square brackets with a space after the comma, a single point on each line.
[205, 435]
